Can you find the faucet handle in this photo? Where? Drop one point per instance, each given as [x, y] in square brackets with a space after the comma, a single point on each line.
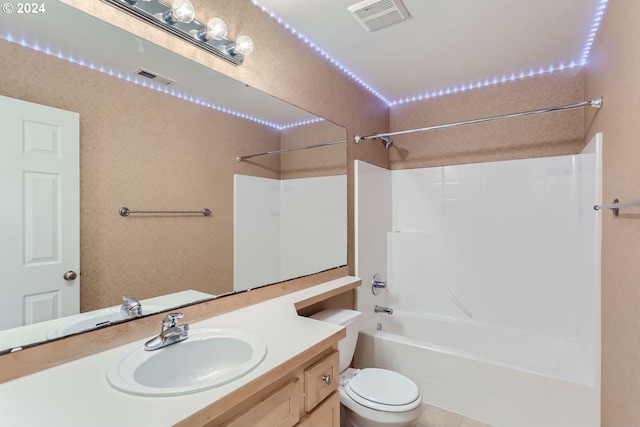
[377, 283]
[171, 320]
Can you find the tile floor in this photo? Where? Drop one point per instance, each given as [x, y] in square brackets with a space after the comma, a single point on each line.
[433, 416]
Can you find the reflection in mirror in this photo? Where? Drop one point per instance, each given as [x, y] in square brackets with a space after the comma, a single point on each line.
[147, 146]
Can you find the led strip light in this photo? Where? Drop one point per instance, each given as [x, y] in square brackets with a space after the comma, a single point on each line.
[602, 5]
[159, 88]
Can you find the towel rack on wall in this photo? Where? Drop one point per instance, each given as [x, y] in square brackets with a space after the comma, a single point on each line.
[124, 211]
[288, 150]
[616, 205]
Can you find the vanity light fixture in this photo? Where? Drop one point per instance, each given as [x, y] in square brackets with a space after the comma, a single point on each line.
[177, 17]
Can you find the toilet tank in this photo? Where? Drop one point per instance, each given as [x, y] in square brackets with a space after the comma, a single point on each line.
[350, 319]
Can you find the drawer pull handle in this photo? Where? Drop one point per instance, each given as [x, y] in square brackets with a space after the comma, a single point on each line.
[327, 379]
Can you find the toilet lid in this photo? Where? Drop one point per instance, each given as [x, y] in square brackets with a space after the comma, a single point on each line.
[384, 390]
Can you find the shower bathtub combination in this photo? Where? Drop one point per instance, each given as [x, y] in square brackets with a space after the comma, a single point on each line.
[500, 376]
[493, 281]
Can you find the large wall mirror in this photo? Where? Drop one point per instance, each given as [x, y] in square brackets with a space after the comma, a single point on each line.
[151, 146]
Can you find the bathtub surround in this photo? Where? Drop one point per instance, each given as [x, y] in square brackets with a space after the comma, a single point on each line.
[274, 222]
[517, 242]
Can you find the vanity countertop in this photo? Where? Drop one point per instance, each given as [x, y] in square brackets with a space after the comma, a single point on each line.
[76, 394]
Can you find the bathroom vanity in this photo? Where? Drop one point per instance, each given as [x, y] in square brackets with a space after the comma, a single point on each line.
[295, 384]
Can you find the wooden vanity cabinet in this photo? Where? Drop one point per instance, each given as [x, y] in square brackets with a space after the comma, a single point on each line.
[302, 395]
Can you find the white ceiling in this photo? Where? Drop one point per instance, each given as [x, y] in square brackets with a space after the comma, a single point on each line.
[445, 43]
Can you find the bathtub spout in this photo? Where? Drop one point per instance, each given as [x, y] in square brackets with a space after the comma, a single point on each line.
[381, 309]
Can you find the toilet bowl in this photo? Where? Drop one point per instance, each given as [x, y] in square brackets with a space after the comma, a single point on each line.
[370, 397]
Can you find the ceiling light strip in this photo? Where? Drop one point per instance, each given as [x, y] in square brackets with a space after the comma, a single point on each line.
[486, 83]
[160, 88]
[321, 52]
[593, 30]
[461, 88]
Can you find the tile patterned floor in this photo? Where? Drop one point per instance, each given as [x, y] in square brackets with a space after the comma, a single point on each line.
[433, 416]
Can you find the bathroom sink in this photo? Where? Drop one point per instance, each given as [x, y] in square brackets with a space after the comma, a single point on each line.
[93, 319]
[208, 358]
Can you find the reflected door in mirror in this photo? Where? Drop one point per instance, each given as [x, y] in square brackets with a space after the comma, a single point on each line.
[39, 167]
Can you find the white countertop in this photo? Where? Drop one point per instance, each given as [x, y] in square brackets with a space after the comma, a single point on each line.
[76, 394]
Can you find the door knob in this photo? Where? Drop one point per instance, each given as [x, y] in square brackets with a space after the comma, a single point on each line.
[70, 275]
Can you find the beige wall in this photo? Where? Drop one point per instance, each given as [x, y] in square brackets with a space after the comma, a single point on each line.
[614, 73]
[322, 161]
[541, 135]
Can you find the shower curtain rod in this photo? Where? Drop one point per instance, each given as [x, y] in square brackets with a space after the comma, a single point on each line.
[596, 103]
[288, 150]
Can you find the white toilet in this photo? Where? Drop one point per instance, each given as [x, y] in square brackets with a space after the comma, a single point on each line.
[370, 397]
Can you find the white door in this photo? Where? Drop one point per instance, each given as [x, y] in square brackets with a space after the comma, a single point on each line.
[39, 213]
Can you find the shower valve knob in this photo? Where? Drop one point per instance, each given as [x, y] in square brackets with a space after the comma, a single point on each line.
[377, 283]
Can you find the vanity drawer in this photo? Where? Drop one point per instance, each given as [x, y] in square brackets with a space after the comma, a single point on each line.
[277, 409]
[327, 414]
[320, 380]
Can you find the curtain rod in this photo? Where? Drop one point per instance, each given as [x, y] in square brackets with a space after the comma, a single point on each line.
[596, 103]
[288, 150]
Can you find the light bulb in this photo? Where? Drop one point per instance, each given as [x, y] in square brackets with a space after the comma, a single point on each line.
[181, 11]
[243, 46]
[216, 29]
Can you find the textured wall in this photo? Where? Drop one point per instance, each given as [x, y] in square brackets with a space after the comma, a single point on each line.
[614, 73]
[321, 161]
[541, 135]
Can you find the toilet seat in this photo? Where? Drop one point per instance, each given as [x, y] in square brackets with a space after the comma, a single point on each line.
[383, 390]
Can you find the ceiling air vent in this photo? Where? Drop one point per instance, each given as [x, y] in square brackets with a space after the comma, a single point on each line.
[155, 77]
[376, 14]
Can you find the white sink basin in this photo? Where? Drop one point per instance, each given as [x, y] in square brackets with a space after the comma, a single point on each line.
[208, 358]
[82, 322]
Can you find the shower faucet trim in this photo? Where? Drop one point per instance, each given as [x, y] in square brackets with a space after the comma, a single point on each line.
[381, 309]
[377, 283]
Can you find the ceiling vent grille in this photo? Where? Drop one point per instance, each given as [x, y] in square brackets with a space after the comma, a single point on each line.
[155, 77]
[376, 14]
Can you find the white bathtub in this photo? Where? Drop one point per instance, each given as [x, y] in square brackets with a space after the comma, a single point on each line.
[504, 377]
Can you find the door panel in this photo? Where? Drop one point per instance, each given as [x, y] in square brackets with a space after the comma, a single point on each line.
[40, 218]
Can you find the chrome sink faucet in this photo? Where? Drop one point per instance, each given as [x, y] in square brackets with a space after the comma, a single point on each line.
[131, 307]
[171, 333]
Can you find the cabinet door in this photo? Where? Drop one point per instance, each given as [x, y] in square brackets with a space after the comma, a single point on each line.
[320, 380]
[325, 415]
[277, 409]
